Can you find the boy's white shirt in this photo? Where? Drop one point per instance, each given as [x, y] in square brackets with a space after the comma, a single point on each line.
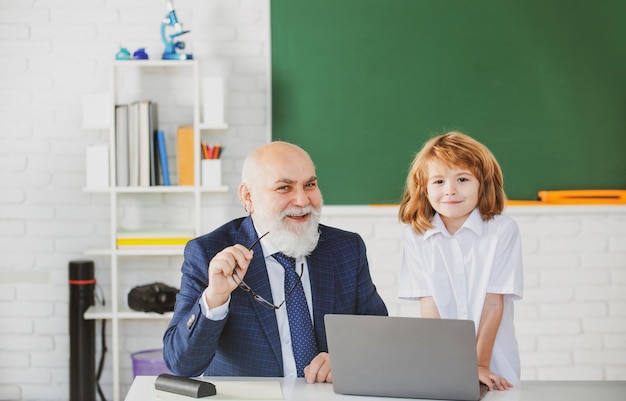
[459, 270]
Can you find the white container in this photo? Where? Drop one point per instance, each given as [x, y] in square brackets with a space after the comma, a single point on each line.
[213, 100]
[211, 173]
[97, 166]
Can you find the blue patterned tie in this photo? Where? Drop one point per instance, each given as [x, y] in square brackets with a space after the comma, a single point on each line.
[300, 325]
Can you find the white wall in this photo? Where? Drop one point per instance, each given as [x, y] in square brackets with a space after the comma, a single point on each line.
[51, 54]
[571, 324]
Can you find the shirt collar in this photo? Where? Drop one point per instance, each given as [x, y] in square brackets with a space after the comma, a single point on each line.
[474, 223]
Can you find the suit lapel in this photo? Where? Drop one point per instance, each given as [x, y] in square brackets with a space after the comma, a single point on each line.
[321, 273]
[256, 277]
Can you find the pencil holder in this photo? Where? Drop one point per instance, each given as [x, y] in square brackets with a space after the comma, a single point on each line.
[211, 173]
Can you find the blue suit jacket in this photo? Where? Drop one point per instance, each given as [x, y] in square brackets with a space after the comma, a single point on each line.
[246, 342]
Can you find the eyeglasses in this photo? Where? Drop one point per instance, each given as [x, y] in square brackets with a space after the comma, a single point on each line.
[245, 287]
[262, 300]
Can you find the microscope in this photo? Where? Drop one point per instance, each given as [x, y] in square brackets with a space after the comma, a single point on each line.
[170, 23]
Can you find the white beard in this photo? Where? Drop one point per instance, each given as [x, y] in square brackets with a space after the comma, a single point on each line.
[292, 241]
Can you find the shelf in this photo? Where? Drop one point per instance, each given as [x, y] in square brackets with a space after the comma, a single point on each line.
[97, 312]
[133, 80]
[155, 63]
[154, 189]
[137, 252]
[157, 189]
[178, 251]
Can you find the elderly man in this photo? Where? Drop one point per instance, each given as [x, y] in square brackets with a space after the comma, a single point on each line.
[254, 292]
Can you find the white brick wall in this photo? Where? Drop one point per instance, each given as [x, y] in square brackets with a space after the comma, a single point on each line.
[51, 54]
[571, 324]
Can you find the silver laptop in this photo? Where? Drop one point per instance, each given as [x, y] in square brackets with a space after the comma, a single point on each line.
[403, 357]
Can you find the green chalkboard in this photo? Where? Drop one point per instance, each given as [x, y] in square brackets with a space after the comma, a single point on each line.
[362, 84]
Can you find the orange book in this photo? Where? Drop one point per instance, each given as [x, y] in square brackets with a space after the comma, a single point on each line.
[186, 156]
[584, 196]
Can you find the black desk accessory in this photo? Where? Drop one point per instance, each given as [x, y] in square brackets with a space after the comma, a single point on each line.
[82, 332]
[184, 386]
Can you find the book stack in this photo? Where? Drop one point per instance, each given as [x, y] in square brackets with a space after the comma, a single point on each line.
[140, 151]
[153, 239]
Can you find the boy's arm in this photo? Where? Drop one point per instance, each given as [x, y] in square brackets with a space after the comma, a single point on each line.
[429, 308]
[485, 339]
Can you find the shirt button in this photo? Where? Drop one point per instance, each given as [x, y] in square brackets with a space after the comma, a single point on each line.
[190, 321]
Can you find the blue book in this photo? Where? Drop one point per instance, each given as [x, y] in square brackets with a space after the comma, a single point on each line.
[165, 171]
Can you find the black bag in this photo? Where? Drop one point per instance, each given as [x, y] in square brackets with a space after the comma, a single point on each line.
[155, 297]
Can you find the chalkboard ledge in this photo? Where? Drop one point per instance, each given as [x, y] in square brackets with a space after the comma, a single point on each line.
[392, 210]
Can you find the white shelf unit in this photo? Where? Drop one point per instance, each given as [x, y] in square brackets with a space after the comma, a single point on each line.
[179, 106]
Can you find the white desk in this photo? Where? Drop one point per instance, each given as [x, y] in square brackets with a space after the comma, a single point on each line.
[142, 389]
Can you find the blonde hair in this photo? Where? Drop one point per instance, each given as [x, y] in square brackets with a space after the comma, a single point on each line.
[454, 149]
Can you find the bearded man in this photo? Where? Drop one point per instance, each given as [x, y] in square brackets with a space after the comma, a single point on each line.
[234, 312]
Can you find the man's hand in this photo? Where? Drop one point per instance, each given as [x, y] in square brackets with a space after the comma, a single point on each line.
[318, 371]
[221, 268]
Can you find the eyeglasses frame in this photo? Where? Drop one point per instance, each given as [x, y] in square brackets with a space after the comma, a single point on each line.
[245, 287]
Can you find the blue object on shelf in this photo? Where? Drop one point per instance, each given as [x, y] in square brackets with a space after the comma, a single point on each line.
[140, 54]
[122, 54]
[171, 45]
